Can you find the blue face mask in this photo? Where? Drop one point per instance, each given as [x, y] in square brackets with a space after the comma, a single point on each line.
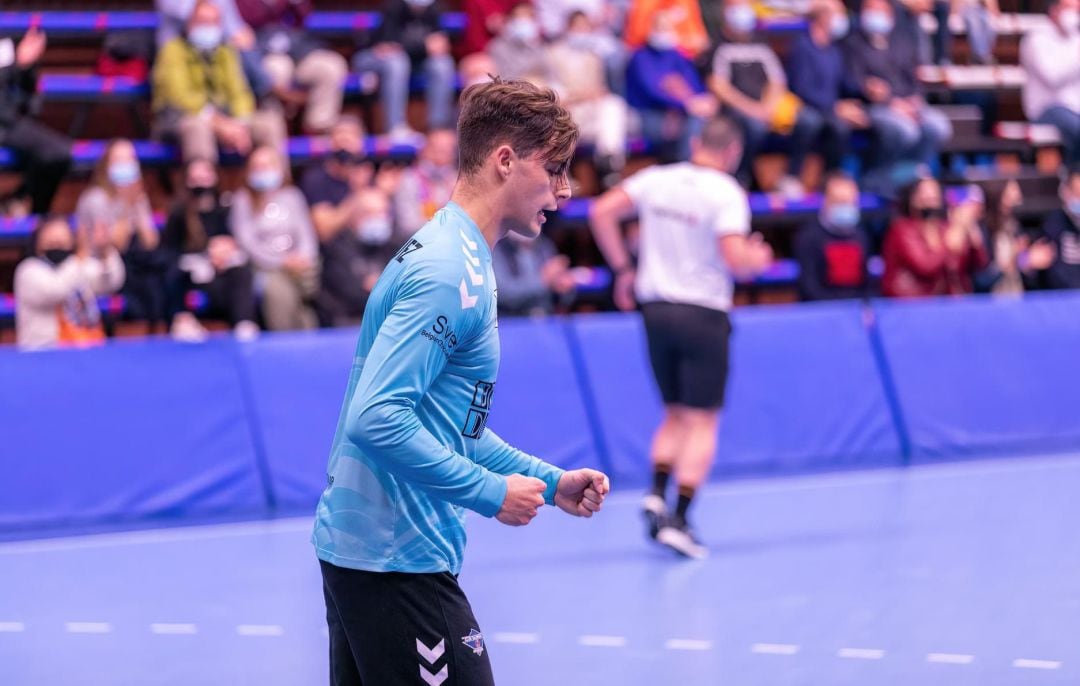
[205, 37]
[265, 180]
[740, 18]
[124, 173]
[843, 217]
[839, 26]
[375, 230]
[877, 22]
[1074, 207]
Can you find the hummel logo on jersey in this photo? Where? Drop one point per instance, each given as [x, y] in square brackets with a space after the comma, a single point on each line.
[472, 266]
[431, 656]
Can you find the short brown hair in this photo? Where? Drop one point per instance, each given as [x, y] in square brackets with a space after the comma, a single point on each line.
[524, 116]
[719, 133]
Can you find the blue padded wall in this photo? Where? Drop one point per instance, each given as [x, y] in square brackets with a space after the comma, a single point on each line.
[123, 432]
[804, 392]
[979, 375]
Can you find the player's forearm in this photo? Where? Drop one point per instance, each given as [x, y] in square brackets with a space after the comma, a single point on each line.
[391, 434]
[498, 456]
[605, 228]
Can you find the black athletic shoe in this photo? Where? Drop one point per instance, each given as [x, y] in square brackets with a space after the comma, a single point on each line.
[680, 538]
[655, 510]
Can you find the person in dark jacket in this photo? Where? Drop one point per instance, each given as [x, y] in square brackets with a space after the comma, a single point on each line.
[1062, 230]
[815, 69]
[410, 39]
[832, 249]
[46, 154]
[880, 66]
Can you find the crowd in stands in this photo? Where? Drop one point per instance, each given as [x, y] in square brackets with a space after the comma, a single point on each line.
[296, 248]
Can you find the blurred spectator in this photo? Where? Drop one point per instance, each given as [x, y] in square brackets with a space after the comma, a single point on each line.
[665, 89]
[484, 20]
[978, 17]
[271, 222]
[46, 154]
[426, 186]
[931, 251]
[907, 18]
[291, 56]
[476, 68]
[353, 224]
[599, 113]
[201, 95]
[600, 34]
[531, 276]
[683, 21]
[881, 68]
[1014, 259]
[203, 255]
[57, 285]
[815, 71]
[518, 50]
[555, 15]
[1052, 74]
[832, 249]
[409, 40]
[750, 83]
[117, 199]
[1062, 230]
[173, 16]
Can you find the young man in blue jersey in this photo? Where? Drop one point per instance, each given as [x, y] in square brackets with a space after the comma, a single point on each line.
[411, 452]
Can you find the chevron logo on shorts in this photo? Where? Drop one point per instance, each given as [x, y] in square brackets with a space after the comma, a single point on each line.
[431, 656]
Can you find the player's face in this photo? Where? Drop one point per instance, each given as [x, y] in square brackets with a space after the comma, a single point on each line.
[536, 185]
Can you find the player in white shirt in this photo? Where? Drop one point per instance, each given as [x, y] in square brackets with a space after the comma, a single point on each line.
[695, 240]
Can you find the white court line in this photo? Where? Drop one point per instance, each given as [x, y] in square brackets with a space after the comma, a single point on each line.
[861, 653]
[166, 629]
[950, 658]
[12, 627]
[1024, 663]
[687, 644]
[88, 627]
[593, 641]
[774, 648]
[516, 637]
[260, 630]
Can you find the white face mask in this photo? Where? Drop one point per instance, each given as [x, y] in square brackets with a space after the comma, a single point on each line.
[523, 29]
[1070, 20]
[374, 230]
[663, 40]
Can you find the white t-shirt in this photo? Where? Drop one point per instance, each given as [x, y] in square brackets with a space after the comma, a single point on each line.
[683, 210]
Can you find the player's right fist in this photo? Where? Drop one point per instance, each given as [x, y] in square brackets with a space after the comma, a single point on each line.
[524, 498]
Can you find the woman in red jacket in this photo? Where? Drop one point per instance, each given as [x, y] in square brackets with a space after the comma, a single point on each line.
[931, 251]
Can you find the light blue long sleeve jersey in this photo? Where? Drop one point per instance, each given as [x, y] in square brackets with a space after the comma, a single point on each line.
[411, 452]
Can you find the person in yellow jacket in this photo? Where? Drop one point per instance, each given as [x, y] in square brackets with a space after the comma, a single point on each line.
[202, 97]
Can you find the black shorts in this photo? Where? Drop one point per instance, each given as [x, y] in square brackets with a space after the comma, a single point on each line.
[391, 628]
[688, 349]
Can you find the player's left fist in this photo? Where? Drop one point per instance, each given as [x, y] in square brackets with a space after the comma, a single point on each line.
[581, 492]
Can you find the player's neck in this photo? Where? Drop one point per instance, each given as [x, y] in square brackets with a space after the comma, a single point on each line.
[481, 209]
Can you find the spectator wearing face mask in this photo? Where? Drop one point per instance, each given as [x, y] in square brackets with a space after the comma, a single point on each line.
[518, 50]
[1051, 94]
[749, 81]
[1062, 230]
[532, 276]
[204, 256]
[290, 56]
[484, 19]
[684, 22]
[117, 199]
[600, 115]
[426, 185]
[929, 250]
[410, 40]
[833, 248]
[272, 224]
[815, 71]
[1014, 258]
[202, 97]
[56, 287]
[880, 67]
[665, 89]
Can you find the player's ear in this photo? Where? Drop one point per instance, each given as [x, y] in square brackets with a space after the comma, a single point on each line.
[504, 158]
